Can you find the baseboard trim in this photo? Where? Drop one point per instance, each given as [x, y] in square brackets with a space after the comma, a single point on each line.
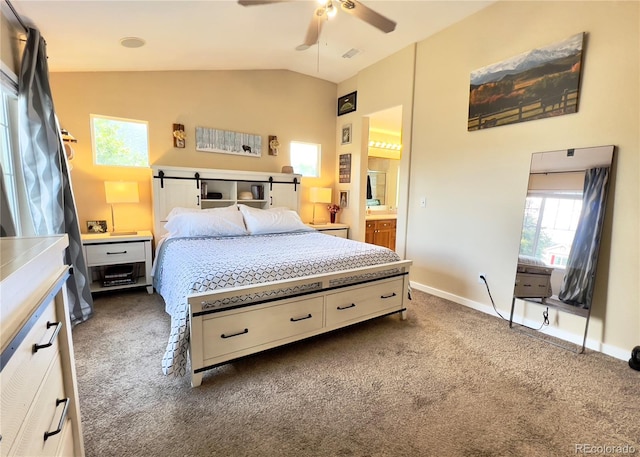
[598, 346]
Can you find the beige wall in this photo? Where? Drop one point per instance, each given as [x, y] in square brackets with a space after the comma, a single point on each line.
[383, 85]
[475, 182]
[282, 103]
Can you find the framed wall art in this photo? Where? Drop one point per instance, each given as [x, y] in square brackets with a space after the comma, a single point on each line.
[345, 138]
[227, 142]
[345, 168]
[344, 199]
[540, 83]
[347, 103]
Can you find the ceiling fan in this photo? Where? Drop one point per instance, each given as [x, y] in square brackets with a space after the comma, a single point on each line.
[326, 10]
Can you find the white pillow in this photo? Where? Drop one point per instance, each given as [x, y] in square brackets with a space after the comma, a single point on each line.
[277, 220]
[180, 210]
[211, 222]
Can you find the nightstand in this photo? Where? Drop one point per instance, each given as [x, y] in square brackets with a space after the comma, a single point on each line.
[336, 229]
[118, 262]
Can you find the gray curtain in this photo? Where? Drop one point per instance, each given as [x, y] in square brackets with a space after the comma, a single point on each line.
[577, 286]
[46, 171]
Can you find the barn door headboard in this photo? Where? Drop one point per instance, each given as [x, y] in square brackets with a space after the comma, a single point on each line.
[208, 188]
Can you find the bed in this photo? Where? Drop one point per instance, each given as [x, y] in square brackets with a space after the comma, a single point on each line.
[237, 280]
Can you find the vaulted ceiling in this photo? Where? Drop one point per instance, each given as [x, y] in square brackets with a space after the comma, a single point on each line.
[224, 35]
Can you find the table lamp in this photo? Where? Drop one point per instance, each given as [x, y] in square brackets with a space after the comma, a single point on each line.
[120, 192]
[319, 195]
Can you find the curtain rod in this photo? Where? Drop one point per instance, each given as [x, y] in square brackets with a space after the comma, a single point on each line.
[17, 16]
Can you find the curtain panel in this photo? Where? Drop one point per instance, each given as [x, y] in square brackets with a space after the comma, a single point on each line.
[579, 278]
[46, 172]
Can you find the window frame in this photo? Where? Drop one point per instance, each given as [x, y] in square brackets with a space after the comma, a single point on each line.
[12, 166]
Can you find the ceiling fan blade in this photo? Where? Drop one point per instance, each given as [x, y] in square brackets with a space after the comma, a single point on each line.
[259, 2]
[313, 31]
[357, 9]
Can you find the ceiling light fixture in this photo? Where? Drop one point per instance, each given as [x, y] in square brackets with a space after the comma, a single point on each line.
[132, 42]
[330, 9]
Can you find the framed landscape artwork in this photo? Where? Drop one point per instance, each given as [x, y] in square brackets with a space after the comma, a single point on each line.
[541, 83]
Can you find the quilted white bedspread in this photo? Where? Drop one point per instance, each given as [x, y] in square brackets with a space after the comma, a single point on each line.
[188, 265]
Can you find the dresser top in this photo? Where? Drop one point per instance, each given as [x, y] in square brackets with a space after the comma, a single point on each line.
[16, 252]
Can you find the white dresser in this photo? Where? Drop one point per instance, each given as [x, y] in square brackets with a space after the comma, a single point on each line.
[40, 413]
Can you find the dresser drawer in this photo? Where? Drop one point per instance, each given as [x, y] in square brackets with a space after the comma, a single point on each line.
[366, 301]
[23, 374]
[44, 416]
[245, 329]
[114, 253]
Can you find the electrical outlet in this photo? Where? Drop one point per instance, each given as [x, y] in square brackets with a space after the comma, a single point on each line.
[480, 275]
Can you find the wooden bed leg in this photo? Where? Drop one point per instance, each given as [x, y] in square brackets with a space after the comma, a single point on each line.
[403, 315]
[195, 342]
[196, 379]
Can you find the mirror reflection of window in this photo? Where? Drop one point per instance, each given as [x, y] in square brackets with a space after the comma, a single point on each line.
[549, 226]
[376, 188]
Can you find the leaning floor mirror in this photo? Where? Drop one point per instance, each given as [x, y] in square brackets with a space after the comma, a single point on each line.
[561, 231]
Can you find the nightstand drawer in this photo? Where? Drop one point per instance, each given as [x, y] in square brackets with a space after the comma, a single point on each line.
[114, 253]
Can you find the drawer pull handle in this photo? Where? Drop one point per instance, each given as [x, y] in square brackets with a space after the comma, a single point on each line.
[114, 253]
[393, 294]
[62, 418]
[246, 330]
[53, 337]
[352, 305]
[296, 319]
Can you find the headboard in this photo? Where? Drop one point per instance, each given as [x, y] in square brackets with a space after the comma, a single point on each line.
[202, 188]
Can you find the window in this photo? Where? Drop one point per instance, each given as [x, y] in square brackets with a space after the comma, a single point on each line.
[550, 224]
[10, 154]
[305, 158]
[119, 142]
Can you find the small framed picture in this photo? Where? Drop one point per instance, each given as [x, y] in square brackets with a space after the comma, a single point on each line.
[347, 103]
[344, 199]
[97, 226]
[346, 134]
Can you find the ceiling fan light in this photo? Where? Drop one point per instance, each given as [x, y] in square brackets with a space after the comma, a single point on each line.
[330, 9]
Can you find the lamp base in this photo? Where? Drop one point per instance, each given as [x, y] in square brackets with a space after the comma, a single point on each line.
[122, 233]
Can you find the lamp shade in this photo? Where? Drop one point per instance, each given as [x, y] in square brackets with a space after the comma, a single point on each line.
[121, 191]
[320, 194]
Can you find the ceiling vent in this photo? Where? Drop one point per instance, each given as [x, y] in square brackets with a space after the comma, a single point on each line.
[350, 53]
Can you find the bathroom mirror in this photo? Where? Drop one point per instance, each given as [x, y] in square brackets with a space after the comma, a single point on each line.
[562, 226]
[376, 188]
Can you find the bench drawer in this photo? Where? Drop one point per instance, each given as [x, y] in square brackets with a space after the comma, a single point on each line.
[362, 302]
[245, 329]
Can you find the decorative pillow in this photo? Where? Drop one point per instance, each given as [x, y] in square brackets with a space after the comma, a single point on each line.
[277, 220]
[211, 222]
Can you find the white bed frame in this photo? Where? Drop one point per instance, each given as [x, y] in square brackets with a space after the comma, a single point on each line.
[220, 336]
